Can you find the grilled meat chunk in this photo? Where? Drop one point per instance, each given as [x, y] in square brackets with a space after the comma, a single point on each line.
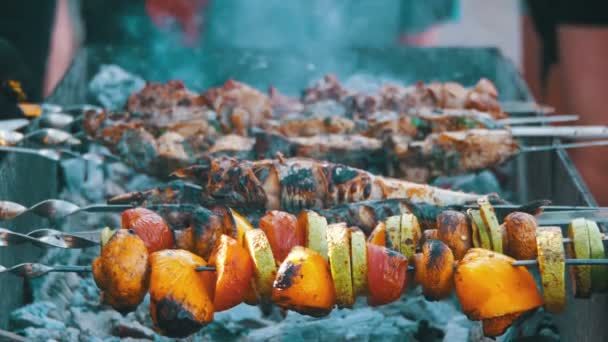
[299, 183]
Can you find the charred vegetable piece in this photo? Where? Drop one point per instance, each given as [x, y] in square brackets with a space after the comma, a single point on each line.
[121, 271]
[393, 233]
[207, 228]
[150, 227]
[283, 233]
[453, 230]
[264, 266]
[184, 239]
[491, 224]
[233, 271]
[314, 227]
[304, 283]
[520, 229]
[430, 234]
[599, 273]
[497, 326]
[242, 225]
[378, 235]
[434, 270]
[338, 248]
[181, 299]
[105, 235]
[358, 256]
[410, 234]
[479, 232]
[488, 286]
[386, 274]
[580, 248]
[552, 266]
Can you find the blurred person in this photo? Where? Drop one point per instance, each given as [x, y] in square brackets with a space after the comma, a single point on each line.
[565, 63]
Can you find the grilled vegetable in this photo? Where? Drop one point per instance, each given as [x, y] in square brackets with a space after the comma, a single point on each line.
[233, 271]
[265, 268]
[599, 273]
[552, 267]
[490, 288]
[181, 299]
[453, 230]
[580, 248]
[242, 226]
[358, 256]
[121, 271]
[150, 227]
[521, 233]
[393, 233]
[304, 283]
[283, 233]
[498, 325]
[314, 227]
[479, 231]
[338, 248]
[434, 270]
[430, 234]
[491, 223]
[378, 235]
[410, 234]
[386, 274]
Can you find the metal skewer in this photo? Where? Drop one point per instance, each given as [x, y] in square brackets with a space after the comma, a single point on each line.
[55, 208]
[32, 270]
[571, 132]
[537, 119]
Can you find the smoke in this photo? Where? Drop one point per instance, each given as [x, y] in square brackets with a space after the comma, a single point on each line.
[287, 44]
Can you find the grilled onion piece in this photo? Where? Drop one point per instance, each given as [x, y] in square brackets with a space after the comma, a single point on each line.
[453, 230]
[435, 270]
[521, 235]
[265, 269]
[479, 231]
[233, 273]
[551, 262]
[488, 286]
[242, 225]
[580, 248]
[304, 283]
[358, 256]
[314, 227]
[338, 247]
[386, 274]
[181, 299]
[121, 271]
[393, 233]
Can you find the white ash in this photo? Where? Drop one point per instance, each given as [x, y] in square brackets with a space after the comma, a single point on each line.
[112, 85]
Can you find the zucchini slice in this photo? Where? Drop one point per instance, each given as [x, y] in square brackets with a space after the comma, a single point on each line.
[491, 224]
[579, 249]
[552, 266]
[338, 248]
[481, 236]
[264, 265]
[315, 227]
[599, 273]
[358, 254]
[393, 233]
[410, 234]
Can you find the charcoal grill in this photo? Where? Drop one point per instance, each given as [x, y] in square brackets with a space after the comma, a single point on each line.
[549, 175]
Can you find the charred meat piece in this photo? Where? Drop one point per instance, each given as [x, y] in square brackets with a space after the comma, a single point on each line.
[451, 152]
[238, 106]
[299, 183]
